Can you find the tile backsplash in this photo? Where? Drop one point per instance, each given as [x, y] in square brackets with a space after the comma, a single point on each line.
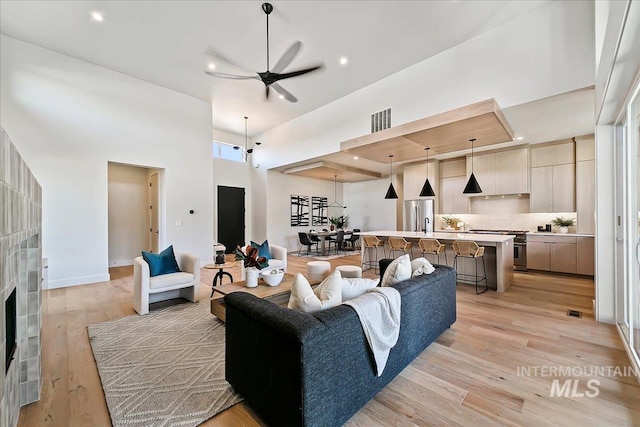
[507, 221]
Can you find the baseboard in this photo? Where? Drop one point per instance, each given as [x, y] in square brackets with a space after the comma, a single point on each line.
[77, 281]
[121, 263]
[635, 363]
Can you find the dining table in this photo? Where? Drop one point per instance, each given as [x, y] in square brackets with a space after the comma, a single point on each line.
[322, 235]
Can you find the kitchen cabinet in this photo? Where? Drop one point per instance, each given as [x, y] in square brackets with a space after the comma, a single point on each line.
[413, 179]
[586, 255]
[484, 169]
[585, 184]
[553, 178]
[451, 185]
[552, 253]
[504, 172]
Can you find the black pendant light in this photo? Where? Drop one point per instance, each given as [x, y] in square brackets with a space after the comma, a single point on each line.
[472, 186]
[247, 150]
[391, 192]
[427, 191]
[335, 203]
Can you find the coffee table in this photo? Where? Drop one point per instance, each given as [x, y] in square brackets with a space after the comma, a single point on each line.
[277, 294]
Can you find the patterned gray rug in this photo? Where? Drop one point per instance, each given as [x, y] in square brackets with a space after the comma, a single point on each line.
[163, 369]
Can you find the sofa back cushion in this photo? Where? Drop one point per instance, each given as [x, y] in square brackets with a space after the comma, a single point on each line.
[328, 293]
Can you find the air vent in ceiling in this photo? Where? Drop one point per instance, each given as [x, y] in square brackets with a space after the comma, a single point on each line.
[381, 120]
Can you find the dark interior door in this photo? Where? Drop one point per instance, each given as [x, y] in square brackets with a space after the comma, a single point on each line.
[231, 217]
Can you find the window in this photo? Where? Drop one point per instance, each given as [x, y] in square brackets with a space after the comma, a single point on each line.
[222, 150]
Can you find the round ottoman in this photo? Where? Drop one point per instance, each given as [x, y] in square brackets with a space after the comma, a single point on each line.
[317, 271]
[352, 271]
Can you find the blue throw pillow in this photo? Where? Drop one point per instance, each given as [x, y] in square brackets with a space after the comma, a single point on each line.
[162, 263]
[263, 249]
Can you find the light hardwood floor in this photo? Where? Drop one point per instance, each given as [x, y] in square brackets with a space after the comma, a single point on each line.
[468, 377]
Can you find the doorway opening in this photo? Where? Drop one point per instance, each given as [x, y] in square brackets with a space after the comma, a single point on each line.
[134, 212]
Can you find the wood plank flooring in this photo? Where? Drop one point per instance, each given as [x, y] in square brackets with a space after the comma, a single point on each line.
[468, 377]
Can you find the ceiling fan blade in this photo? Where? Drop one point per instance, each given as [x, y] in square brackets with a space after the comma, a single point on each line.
[231, 76]
[212, 53]
[287, 57]
[282, 91]
[282, 76]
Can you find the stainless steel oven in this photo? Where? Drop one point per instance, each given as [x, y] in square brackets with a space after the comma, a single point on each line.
[519, 246]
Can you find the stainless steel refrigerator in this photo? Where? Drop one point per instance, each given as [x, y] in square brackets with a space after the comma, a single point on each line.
[418, 215]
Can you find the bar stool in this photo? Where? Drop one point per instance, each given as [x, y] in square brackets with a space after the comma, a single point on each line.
[372, 243]
[470, 249]
[399, 244]
[433, 247]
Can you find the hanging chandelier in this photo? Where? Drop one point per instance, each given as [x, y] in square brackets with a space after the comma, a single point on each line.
[247, 150]
[335, 203]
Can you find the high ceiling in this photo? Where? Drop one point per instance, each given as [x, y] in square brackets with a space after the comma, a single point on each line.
[163, 42]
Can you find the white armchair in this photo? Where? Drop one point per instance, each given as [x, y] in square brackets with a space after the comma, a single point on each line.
[148, 289]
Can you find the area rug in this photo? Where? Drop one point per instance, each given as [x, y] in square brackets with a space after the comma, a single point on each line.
[163, 369]
[328, 257]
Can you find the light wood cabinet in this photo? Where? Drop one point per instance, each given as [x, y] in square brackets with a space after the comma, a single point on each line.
[563, 257]
[563, 189]
[541, 197]
[553, 178]
[413, 179]
[586, 196]
[553, 253]
[538, 256]
[484, 169]
[512, 171]
[452, 200]
[558, 153]
[586, 256]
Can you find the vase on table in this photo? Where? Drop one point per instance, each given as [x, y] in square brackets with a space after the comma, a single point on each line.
[564, 229]
[251, 277]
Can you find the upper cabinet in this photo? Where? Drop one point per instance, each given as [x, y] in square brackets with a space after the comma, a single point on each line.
[553, 177]
[451, 186]
[413, 179]
[504, 172]
[585, 184]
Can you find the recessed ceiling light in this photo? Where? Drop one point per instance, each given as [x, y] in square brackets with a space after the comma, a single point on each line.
[520, 138]
[281, 96]
[212, 66]
[355, 157]
[97, 16]
[344, 60]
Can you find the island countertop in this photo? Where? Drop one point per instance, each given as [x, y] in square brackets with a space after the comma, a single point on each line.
[477, 237]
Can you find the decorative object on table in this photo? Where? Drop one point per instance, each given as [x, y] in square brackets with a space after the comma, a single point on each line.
[427, 190]
[563, 223]
[220, 258]
[339, 221]
[391, 192]
[176, 354]
[472, 186]
[272, 76]
[252, 262]
[451, 222]
[299, 211]
[319, 209]
[273, 277]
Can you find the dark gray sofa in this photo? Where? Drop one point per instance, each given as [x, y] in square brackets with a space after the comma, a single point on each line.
[297, 369]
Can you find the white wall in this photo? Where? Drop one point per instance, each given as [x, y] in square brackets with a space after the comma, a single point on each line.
[279, 191]
[366, 206]
[70, 118]
[128, 204]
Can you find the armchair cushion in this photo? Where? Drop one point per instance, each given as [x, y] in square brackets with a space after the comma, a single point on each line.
[167, 280]
[162, 263]
[263, 248]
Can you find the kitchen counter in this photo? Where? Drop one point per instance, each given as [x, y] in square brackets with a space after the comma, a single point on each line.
[546, 233]
[498, 252]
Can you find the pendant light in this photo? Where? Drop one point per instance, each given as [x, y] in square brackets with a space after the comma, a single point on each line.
[472, 186]
[427, 190]
[247, 150]
[391, 192]
[335, 203]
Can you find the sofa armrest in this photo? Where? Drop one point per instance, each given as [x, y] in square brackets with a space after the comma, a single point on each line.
[189, 264]
[141, 275]
[279, 252]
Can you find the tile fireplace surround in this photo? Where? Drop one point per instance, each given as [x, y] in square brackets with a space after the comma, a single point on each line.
[20, 269]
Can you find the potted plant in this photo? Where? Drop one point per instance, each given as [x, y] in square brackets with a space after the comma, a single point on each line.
[338, 221]
[450, 222]
[563, 223]
[252, 263]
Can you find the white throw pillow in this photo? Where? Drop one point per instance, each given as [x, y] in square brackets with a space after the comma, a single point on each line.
[420, 266]
[398, 270]
[354, 287]
[328, 294]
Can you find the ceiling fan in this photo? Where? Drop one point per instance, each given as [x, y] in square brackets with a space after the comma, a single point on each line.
[271, 77]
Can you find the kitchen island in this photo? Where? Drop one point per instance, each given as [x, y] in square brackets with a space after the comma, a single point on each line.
[498, 253]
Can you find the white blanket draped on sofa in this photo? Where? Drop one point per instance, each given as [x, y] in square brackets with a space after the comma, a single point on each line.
[379, 314]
